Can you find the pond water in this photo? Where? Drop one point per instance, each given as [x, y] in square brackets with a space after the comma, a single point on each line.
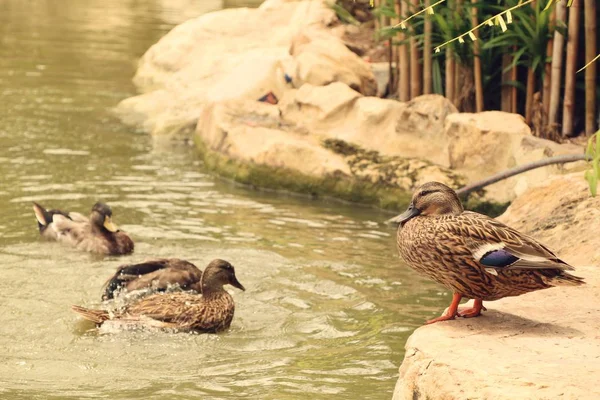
[328, 306]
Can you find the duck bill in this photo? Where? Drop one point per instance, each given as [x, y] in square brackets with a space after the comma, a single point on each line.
[235, 283]
[109, 225]
[411, 212]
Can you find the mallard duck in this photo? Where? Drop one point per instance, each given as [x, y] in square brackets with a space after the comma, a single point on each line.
[96, 234]
[157, 274]
[471, 254]
[212, 311]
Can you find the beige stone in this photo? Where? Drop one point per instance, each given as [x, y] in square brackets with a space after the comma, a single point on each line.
[542, 345]
[321, 59]
[562, 214]
[239, 54]
[260, 133]
[483, 144]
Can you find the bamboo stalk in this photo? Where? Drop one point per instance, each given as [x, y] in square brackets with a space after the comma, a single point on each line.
[404, 82]
[396, 82]
[477, 62]
[548, 69]
[450, 68]
[415, 70]
[457, 65]
[529, 95]
[557, 61]
[449, 75]
[590, 71]
[506, 92]
[427, 59]
[376, 5]
[530, 86]
[571, 69]
[513, 90]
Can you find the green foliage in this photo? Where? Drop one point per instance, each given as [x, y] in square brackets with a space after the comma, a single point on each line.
[592, 152]
[529, 34]
[343, 14]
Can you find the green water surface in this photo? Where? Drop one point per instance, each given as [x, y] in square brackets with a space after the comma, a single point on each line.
[328, 306]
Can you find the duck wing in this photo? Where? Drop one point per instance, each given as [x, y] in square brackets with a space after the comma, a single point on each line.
[497, 246]
[182, 309]
[157, 274]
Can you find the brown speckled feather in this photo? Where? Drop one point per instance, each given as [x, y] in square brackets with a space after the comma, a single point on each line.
[210, 312]
[159, 275]
[449, 247]
[81, 232]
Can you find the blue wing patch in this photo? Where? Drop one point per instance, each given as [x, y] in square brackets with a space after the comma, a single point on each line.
[498, 258]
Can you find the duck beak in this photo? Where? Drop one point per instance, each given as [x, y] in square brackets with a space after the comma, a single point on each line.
[109, 225]
[411, 212]
[235, 283]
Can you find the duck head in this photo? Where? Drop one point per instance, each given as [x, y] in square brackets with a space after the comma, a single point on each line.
[218, 274]
[432, 198]
[101, 217]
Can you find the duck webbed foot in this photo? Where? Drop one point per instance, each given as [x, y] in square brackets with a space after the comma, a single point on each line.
[474, 311]
[452, 311]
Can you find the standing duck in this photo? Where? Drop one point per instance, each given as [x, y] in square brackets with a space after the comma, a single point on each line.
[471, 254]
[157, 274]
[210, 312]
[96, 234]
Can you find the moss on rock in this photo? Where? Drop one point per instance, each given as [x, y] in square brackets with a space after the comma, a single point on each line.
[336, 185]
[383, 181]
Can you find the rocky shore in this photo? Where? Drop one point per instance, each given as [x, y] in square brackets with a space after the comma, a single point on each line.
[543, 345]
[318, 129]
[203, 80]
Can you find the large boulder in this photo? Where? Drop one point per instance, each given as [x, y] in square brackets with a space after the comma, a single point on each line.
[484, 144]
[238, 54]
[562, 214]
[412, 129]
[543, 345]
[245, 140]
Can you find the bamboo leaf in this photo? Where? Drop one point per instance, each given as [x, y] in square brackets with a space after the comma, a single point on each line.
[548, 5]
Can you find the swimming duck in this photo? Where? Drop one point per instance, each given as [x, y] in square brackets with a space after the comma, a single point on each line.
[473, 255]
[96, 234]
[157, 274]
[210, 312]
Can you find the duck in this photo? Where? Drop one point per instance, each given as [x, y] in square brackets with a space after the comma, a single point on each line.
[158, 275]
[96, 234]
[210, 312]
[471, 254]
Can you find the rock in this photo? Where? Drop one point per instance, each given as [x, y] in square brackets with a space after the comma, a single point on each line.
[542, 345]
[483, 144]
[381, 71]
[243, 139]
[231, 57]
[239, 54]
[561, 214]
[321, 59]
[413, 129]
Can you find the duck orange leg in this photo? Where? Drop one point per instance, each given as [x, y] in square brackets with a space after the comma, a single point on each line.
[452, 310]
[474, 311]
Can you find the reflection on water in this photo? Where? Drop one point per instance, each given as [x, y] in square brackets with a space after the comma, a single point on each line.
[328, 305]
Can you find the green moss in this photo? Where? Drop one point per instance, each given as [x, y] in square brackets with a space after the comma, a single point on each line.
[357, 189]
[335, 185]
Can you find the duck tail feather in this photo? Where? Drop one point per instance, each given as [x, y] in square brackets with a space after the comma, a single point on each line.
[97, 316]
[566, 279]
[42, 215]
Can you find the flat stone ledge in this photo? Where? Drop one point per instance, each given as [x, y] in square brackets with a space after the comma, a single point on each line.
[542, 345]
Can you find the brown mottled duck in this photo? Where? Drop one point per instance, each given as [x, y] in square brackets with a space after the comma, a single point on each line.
[157, 275]
[471, 254]
[96, 234]
[210, 312]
